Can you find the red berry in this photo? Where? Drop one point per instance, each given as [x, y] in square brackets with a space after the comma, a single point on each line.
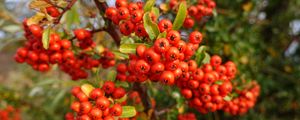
[187, 93]
[157, 68]
[65, 44]
[167, 77]
[119, 93]
[172, 54]
[151, 56]
[123, 13]
[173, 37]
[85, 107]
[165, 25]
[108, 87]
[204, 88]
[188, 23]
[75, 90]
[102, 103]
[75, 106]
[136, 16]
[122, 68]
[22, 52]
[215, 60]
[195, 37]
[96, 93]
[81, 97]
[121, 3]
[96, 113]
[116, 110]
[161, 45]
[44, 67]
[111, 12]
[132, 7]
[53, 11]
[36, 30]
[142, 67]
[140, 50]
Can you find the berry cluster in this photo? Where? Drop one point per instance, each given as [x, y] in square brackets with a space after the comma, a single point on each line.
[206, 87]
[39, 58]
[128, 16]
[98, 104]
[187, 116]
[168, 60]
[164, 61]
[10, 113]
[198, 11]
[60, 52]
[246, 99]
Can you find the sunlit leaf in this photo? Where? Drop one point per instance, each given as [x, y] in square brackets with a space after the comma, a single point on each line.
[11, 28]
[87, 89]
[149, 4]
[180, 17]
[128, 111]
[46, 37]
[150, 27]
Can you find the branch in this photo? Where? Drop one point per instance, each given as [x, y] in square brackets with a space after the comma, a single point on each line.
[111, 28]
[49, 2]
[69, 6]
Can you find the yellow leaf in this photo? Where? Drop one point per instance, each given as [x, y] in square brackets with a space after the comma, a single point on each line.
[247, 6]
[164, 7]
[37, 18]
[38, 4]
[87, 89]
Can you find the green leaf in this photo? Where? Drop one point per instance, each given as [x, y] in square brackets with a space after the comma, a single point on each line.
[124, 98]
[206, 58]
[128, 111]
[155, 10]
[180, 17]
[122, 84]
[162, 35]
[129, 48]
[227, 98]
[72, 18]
[58, 98]
[120, 55]
[219, 82]
[149, 5]
[126, 40]
[46, 37]
[215, 13]
[11, 28]
[200, 54]
[111, 75]
[150, 27]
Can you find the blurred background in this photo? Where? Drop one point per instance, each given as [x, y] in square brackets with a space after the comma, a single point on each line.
[261, 36]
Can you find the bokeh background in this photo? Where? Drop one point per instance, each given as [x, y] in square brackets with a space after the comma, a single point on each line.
[261, 36]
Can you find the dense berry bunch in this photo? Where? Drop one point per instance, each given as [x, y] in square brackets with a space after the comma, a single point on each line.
[60, 52]
[98, 104]
[128, 16]
[206, 87]
[195, 12]
[10, 113]
[187, 116]
[165, 61]
[246, 99]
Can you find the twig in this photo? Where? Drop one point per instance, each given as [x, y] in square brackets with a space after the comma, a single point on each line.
[49, 2]
[69, 6]
[111, 28]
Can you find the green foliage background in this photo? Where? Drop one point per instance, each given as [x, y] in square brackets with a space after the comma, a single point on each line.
[237, 33]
